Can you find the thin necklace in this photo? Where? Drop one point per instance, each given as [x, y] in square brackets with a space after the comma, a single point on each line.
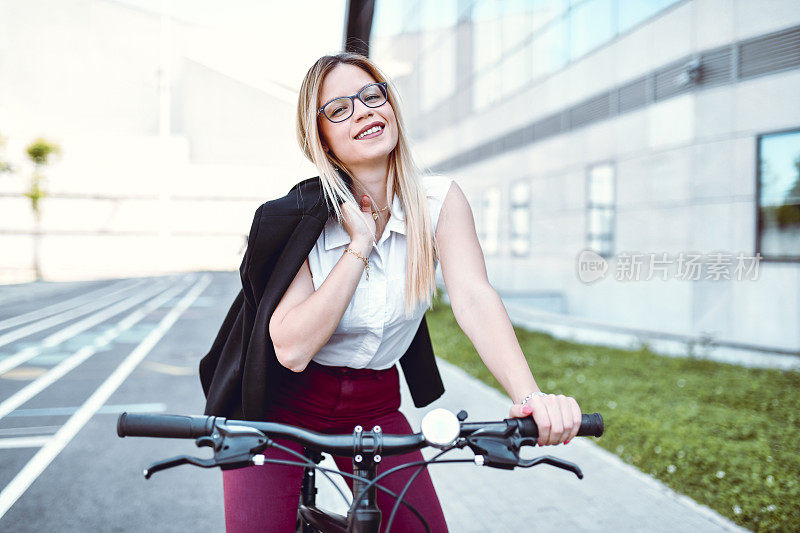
[375, 213]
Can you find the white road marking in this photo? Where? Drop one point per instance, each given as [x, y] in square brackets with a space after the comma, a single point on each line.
[172, 370]
[39, 462]
[25, 442]
[57, 372]
[73, 329]
[29, 430]
[113, 409]
[70, 303]
[66, 316]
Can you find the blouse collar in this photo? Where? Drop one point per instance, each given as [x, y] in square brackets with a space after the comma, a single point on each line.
[335, 235]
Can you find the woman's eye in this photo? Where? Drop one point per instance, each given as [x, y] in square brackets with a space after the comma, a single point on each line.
[337, 111]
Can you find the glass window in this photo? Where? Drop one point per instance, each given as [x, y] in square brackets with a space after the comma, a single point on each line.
[516, 70]
[517, 22]
[487, 88]
[549, 49]
[779, 195]
[632, 12]
[592, 23]
[544, 11]
[438, 14]
[520, 218]
[600, 209]
[490, 221]
[487, 35]
[438, 67]
[391, 18]
[438, 56]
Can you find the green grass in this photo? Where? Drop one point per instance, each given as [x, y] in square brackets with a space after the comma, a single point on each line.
[724, 435]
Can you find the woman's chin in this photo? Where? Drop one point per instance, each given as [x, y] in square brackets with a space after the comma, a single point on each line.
[377, 151]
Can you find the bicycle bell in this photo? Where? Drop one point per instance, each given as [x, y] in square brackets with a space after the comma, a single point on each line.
[440, 427]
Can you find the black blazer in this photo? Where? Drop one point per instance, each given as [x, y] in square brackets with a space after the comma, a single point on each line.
[240, 371]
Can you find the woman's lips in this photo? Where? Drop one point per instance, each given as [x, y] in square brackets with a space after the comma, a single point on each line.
[372, 135]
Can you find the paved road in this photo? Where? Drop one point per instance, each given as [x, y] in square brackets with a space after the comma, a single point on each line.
[75, 355]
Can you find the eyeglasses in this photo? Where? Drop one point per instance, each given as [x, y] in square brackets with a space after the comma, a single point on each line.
[340, 109]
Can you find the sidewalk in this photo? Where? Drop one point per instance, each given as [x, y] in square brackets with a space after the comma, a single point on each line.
[612, 496]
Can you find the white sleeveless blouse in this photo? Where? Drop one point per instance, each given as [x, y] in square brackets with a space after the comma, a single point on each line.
[374, 331]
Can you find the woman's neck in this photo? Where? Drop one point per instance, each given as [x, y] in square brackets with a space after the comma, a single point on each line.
[371, 181]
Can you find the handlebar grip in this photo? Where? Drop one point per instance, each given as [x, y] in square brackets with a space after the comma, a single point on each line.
[166, 426]
[591, 426]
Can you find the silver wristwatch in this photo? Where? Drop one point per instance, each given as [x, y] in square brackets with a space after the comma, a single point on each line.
[531, 395]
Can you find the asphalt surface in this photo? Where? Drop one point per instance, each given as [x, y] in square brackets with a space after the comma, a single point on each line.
[95, 483]
[73, 356]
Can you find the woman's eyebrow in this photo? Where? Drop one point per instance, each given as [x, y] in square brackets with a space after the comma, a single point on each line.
[358, 91]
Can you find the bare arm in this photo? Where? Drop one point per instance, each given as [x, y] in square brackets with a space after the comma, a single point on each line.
[305, 319]
[482, 316]
[476, 305]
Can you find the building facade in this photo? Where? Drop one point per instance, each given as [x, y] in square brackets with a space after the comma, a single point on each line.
[633, 167]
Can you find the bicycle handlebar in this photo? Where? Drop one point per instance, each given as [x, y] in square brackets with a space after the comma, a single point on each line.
[190, 427]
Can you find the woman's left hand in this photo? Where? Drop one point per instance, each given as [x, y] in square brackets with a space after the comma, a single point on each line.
[558, 417]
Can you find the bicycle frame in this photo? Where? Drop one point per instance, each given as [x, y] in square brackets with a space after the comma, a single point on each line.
[366, 514]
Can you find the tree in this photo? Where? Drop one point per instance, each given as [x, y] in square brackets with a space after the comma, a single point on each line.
[39, 152]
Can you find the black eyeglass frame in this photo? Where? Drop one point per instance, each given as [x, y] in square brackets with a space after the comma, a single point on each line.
[384, 90]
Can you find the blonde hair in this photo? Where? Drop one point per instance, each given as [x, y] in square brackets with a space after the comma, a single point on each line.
[403, 178]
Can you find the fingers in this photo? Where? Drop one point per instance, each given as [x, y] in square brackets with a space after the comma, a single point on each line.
[576, 417]
[567, 420]
[558, 417]
[365, 207]
[541, 415]
[517, 411]
[558, 420]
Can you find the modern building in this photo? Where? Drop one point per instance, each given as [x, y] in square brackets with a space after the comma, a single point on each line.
[657, 140]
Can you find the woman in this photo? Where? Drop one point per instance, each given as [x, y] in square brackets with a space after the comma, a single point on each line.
[356, 302]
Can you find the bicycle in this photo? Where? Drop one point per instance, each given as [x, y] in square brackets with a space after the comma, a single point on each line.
[240, 443]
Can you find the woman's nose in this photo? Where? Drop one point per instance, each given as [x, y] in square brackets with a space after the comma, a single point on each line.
[360, 109]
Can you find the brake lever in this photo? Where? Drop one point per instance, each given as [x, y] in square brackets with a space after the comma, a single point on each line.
[497, 452]
[234, 447]
[177, 461]
[555, 461]
[519, 442]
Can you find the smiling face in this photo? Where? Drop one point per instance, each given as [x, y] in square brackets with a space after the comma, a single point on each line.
[340, 137]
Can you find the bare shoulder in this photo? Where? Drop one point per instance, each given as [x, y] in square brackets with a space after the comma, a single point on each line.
[456, 211]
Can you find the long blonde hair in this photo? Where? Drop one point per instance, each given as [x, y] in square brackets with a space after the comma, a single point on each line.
[403, 178]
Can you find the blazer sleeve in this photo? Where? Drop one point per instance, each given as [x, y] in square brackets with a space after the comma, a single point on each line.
[246, 268]
[220, 368]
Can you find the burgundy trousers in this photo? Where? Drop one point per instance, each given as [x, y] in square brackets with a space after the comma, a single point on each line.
[330, 399]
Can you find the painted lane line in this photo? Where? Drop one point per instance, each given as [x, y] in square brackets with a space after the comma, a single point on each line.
[73, 302]
[57, 372]
[33, 430]
[74, 329]
[172, 370]
[111, 409]
[25, 442]
[40, 461]
[56, 320]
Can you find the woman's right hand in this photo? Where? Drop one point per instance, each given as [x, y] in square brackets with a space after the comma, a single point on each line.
[359, 224]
